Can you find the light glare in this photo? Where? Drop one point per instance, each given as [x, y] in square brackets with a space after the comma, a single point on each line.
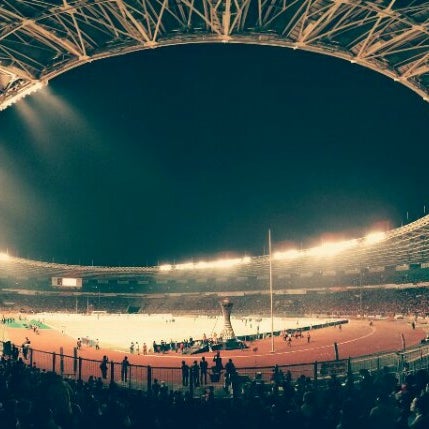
[31, 88]
[374, 237]
[288, 254]
[330, 249]
[220, 263]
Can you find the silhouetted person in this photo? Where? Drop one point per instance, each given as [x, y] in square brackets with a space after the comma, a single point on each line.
[103, 367]
[124, 369]
[195, 373]
[218, 367]
[203, 370]
[185, 373]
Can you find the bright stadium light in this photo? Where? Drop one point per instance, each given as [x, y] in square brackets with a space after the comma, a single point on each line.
[32, 88]
[202, 265]
[184, 266]
[330, 249]
[225, 263]
[220, 263]
[288, 254]
[374, 237]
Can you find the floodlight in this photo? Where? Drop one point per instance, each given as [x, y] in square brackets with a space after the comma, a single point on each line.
[202, 264]
[220, 263]
[33, 87]
[288, 254]
[184, 266]
[374, 237]
[330, 249]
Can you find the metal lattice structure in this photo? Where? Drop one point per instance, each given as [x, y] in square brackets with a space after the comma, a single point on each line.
[401, 248]
[42, 39]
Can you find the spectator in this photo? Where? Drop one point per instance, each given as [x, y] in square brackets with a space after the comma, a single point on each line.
[103, 367]
[218, 367]
[420, 407]
[203, 370]
[124, 369]
[195, 373]
[185, 374]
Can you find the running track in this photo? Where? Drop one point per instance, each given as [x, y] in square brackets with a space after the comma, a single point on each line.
[356, 338]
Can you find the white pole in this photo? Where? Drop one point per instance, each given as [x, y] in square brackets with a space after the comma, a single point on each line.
[271, 291]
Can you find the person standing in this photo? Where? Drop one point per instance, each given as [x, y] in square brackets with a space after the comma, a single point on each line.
[156, 388]
[195, 373]
[124, 369]
[185, 373]
[217, 363]
[26, 347]
[203, 370]
[230, 372]
[103, 367]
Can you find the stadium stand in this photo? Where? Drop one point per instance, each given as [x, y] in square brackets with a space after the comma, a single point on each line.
[368, 302]
[351, 279]
[400, 256]
[384, 278]
[31, 398]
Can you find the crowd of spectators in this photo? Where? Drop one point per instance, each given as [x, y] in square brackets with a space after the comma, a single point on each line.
[35, 399]
[243, 278]
[349, 302]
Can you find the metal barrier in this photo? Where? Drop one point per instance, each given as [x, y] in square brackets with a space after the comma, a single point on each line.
[142, 377]
[375, 362]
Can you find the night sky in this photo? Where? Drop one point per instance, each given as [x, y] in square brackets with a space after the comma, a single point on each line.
[195, 151]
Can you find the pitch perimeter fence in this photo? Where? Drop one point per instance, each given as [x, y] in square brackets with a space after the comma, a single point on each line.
[142, 377]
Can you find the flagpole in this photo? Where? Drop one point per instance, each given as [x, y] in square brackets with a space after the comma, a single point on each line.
[271, 290]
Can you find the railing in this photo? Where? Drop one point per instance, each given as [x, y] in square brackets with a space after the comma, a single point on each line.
[143, 377]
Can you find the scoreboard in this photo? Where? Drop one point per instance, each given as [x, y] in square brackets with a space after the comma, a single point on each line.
[66, 282]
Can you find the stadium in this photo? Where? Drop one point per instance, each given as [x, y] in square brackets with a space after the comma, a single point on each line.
[392, 264]
[333, 336]
[375, 287]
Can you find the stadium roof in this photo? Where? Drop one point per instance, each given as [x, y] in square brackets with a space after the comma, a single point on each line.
[40, 40]
[400, 247]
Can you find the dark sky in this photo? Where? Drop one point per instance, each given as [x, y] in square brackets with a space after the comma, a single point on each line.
[195, 151]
